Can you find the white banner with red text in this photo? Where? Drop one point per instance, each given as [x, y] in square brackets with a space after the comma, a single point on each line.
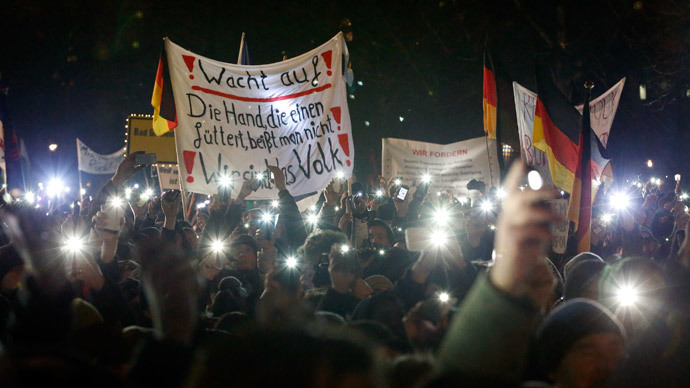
[235, 120]
[450, 166]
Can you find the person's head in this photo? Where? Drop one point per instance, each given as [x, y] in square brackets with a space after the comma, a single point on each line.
[635, 290]
[380, 234]
[320, 243]
[579, 258]
[231, 296]
[11, 269]
[243, 251]
[580, 344]
[384, 307]
[662, 224]
[582, 280]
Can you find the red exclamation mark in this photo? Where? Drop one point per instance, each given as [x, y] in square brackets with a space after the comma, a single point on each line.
[189, 164]
[345, 145]
[336, 115]
[327, 58]
[189, 61]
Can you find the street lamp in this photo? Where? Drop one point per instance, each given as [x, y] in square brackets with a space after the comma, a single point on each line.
[52, 147]
[650, 164]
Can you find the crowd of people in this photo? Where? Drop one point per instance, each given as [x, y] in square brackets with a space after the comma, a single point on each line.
[384, 285]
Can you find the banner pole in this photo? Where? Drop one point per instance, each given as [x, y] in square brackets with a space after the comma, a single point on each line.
[488, 156]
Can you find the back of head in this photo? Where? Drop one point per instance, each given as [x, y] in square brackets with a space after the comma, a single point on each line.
[583, 280]
[568, 323]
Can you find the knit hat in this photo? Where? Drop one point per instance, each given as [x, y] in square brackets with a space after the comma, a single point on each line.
[580, 276]
[233, 285]
[578, 258]
[568, 323]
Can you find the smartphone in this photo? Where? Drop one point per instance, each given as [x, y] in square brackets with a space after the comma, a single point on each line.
[115, 210]
[416, 239]
[402, 192]
[145, 159]
[268, 227]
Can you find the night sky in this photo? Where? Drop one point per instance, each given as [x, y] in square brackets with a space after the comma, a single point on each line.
[78, 68]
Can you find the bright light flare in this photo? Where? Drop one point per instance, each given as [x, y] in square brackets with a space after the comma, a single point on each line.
[382, 252]
[260, 176]
[274, 203]
[426, 178]
[444, 297]
[224, 181]
[607, 218]
[29, 197]
[486, 206]
[534, 180]
[397, 182]
[345, 248]
[442, 216]
[619, 201]
[313, 219]
[267, 217]
[115, 201]
[217, 246]
[500, 193]
[340, 175]
[128, 193]
[627, 296]
[74, 245]
[439, 238]
[55, 187]
[683, 196]
[379, 193]
[650, 164]
[52, 147]
[291, 262]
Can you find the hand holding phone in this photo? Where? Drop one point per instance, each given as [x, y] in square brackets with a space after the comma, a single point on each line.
[402, 192]
[145, 159]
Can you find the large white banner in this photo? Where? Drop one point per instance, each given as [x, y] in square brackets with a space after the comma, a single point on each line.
[235, 120]
[450, 166]
[168, 177]
[94, 163]
[602, 111]
[525, 103]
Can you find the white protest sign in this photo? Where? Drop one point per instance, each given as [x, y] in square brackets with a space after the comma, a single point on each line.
[602, 111]
[168, 177]
[94, 163]
[525, 102]
[235, 120]
[450, 166]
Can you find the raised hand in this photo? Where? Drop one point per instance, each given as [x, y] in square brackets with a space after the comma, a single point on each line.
[278, 177]
[126, 169]
[522, 238]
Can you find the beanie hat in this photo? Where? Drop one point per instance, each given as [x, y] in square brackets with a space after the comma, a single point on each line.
[246, 240]
[568, 323]
[580, 276]
[232, 285]
[578, 258]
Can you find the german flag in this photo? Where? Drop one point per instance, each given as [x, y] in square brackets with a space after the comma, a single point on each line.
[489, 100]
[580, 205]
[164, 113]
[557, 130]
[500, 120]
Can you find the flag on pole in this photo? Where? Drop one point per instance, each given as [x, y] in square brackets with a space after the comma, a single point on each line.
[243, 56]
[489, 99]
[557, 132]
[164, 113]
[580, 205]
[13, 166]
